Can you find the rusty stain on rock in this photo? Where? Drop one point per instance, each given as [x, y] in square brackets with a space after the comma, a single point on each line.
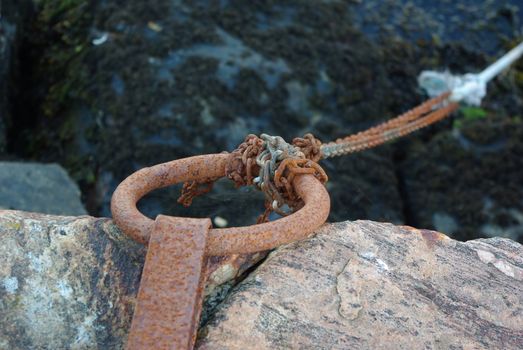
[431, 238]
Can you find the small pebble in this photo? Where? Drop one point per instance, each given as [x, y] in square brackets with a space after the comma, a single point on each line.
[154, 26]
[220, 222]
[100, 40]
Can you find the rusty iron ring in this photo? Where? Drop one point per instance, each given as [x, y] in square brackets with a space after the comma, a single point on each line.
[234, 240]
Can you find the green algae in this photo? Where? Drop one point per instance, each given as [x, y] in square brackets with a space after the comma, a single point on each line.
[64, 24]
[59, 39]
[468, 113]
[473, 113]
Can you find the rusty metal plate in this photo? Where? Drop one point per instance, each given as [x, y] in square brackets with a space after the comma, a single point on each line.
[170, 295]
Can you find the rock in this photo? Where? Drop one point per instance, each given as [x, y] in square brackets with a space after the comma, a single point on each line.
[12, 14]
[442, 23]
[450, 180]
[371, 285]
[44, 188]
[175, 79]
[71, 282]
[163, 80]
[65, 282]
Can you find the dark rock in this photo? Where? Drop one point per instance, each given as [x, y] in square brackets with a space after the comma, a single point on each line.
[162, 81]
[452, 181]
[12, 15]
[44, 188]
[133, 84]
[475, 25]
[369, 285]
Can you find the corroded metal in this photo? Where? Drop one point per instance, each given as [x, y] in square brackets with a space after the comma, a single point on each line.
[419, 117]
[185, 243]
[170, 295]
[223, 241]
[169, 300]
[138, 184]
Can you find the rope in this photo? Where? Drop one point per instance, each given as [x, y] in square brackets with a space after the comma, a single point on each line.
[469, 88]
[413, 120]
[270, 163]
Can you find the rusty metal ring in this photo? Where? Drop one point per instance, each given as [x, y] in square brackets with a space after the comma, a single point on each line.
[224, 241]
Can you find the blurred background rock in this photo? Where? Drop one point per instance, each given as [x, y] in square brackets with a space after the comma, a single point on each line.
[106, 87]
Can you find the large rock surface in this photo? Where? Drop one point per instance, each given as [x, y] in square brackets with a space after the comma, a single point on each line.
[369, 285]
[42, 188]
[65, 282]
[474, 155]
[71, 282]
[136, 83]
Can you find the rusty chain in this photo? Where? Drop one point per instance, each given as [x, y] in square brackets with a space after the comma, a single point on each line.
[270, 163]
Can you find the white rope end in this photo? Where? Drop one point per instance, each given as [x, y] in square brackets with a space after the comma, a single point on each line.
[468, 88]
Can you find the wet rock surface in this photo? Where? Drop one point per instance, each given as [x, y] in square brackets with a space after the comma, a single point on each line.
[42, 188]
[12, 15]
[134, 84]
[476, 155]
[370, 285]
[71, 282]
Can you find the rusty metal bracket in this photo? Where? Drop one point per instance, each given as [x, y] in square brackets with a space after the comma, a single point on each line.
[171, 285]
[169, 299]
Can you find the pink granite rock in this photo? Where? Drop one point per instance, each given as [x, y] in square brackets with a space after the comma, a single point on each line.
[371, 285]
[70, 282]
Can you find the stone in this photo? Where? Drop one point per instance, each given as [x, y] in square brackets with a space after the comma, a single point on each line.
[450, 180]
[35, 187]
[138, 83]
[210, 77]
[65, 282]
[12, 15]
[374, 285]
[71, 282]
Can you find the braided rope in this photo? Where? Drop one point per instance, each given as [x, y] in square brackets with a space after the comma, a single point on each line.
[424, 115]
